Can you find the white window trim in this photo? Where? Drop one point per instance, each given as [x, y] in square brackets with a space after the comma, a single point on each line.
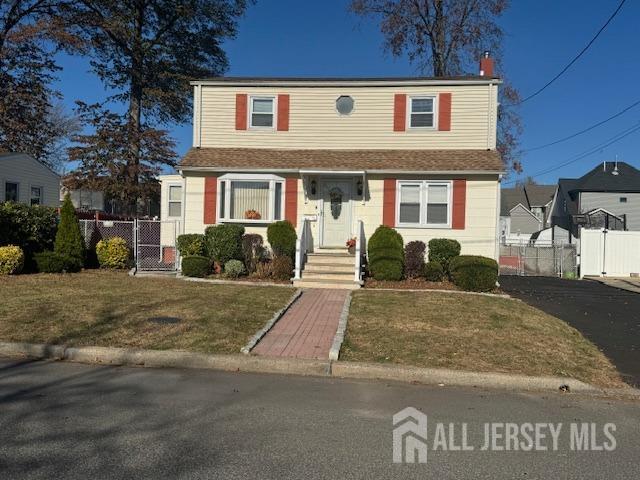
[424, 200]
[4, 198]
[41, 198]
[435, 112]
[169, 201]
[274, 111]
[223, 217]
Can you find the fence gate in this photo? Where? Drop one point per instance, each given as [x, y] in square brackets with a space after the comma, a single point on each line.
[156, 245]
[609, 253]
[553, 260]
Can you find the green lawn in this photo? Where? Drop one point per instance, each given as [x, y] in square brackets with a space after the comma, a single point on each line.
[109, 308]
[469, 332]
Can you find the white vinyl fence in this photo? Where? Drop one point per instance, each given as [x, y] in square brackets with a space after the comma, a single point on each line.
[610, 253]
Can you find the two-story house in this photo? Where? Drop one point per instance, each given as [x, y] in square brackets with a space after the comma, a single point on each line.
[338, 157]
[524, 210]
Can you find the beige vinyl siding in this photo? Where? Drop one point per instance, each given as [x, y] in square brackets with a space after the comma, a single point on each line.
[315, 123]
[28, 172]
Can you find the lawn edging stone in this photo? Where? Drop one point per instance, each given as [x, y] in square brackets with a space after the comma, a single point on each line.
[434, 290]
[334, 352]
[233, 282]
[253, 341]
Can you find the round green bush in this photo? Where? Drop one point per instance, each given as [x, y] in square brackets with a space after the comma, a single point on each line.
[195, 266]
[113, 253]
[224, 242]
[282, 238]
[386, 254]
[433, 272]
[191, 244]
[442, 250]
[11, 260]
[54, 262]
[234, 268]
[474, 273]
[282, 267]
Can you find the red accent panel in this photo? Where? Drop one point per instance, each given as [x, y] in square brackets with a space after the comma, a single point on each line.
[241, 111]
[399, 112]
[486, 67]
[444, 112]
[283, 113]
[291, 201]
[459, 204]
[210, 200]
[389, 202]
[168, 254]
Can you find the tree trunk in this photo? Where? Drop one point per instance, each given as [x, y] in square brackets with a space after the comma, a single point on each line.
[438, 40]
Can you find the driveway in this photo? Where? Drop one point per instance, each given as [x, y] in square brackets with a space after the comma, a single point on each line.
[607, 316]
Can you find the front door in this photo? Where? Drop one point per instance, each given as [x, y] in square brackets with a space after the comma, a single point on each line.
[336, 212]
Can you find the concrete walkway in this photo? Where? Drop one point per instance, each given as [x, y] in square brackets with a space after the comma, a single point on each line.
[630, 284]
[307, 329]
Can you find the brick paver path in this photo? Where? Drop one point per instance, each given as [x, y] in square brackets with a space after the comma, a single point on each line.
[307, 329]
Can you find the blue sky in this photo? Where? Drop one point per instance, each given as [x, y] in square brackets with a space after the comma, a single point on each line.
[296, 38]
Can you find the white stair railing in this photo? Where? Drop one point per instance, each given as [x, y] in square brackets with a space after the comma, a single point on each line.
[304, 244]
[361, 250]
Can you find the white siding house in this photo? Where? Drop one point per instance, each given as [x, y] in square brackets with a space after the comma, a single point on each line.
[24, 179]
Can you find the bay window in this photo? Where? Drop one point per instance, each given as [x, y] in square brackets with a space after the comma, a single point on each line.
[424, 203]
[250, 198]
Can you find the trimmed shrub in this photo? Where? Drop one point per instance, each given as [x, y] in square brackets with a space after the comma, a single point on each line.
[282, 238]
[474, 273]
[113, 253]
[414, 259]
[253, 250]
[191, 244]
[11, 260]
[69, 241]
[282, 267]
[234, 268]
[54, 262]
[32, 228]
[224, 242]
[386, 254]
[442, 250]
[195, 266]
[434, 272]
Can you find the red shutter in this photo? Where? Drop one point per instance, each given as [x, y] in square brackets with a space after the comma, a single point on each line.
[241, 111]
[291, 201]
[210, 199]
[459, 204]
[444, 112]
[389, 202]
[399, 112]
[283, 113]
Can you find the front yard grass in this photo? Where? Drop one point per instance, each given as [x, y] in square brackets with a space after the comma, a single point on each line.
[469, 332]
[112, 309]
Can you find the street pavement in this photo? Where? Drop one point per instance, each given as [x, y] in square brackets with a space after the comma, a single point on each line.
[72, 421]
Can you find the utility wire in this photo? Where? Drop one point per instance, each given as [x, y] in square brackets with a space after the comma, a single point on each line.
[540, 147]
[616, 138]
[575, 59]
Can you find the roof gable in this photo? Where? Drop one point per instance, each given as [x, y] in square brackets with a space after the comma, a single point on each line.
[24, 157]
[608, 178]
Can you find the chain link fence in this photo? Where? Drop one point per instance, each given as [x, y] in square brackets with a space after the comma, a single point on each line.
[553, 260]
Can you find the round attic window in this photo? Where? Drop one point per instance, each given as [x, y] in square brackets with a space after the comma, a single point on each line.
[344, 104]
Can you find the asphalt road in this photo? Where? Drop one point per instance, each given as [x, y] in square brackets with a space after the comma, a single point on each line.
[60, 420]
[609, 317]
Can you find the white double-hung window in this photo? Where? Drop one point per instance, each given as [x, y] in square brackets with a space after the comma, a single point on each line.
[175, 201]
[422, 112]
[262, 112]
[250, 198]
[424, 203]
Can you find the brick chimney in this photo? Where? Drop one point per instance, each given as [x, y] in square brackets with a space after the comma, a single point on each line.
[486, 65]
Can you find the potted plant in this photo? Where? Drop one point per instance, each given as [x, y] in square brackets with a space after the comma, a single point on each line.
[252, 215]
[351, 246]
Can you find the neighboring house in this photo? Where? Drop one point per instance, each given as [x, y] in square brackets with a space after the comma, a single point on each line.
[339, 157]
[606, 197]
[524, 211]
[24, 179]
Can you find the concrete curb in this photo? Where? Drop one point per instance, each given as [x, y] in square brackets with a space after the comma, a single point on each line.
[334, 352]
[455, 377]
[428, 290]
[269, 325]
[233, 282]
[298, 366]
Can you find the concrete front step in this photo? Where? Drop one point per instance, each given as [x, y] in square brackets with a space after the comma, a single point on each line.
[313, 258]
[319, 283]
[329, 268]
[327, 276]
[332, 251]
